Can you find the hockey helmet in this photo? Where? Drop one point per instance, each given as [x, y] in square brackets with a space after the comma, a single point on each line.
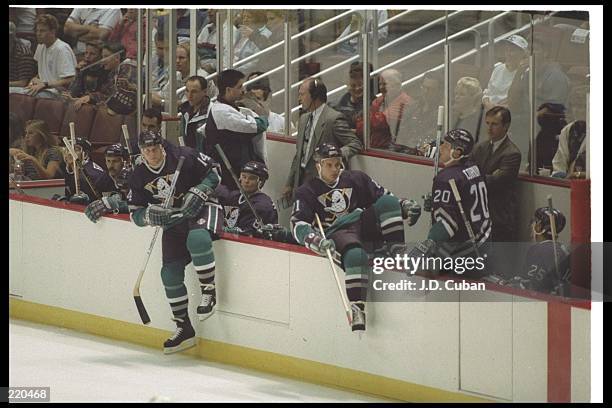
[541, 216]
[460, 139]
[116, 150]
[149, 138]
[257, 168]
[327, 151]
[84, 143]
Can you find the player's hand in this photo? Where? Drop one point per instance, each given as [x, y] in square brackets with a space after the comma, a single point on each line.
[103, 206]
[411, 211]
[316, 243]
[158, 216]
[427, 202]
[194, 201]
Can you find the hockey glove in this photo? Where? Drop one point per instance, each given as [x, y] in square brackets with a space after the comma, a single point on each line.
[103, 206]
[158, 216]
[427, 202]
[316, 243]
[423, 249]
[81, 198]
[411, 211]
[194, 201]
[232, 230]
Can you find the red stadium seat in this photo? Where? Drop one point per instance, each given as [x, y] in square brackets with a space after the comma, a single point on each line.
[83, 120]
[22, 105]
[52, 112]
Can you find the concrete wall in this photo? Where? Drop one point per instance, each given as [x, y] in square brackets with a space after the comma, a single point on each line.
[286, 302]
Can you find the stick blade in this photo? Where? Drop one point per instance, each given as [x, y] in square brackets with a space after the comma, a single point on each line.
[144, 316]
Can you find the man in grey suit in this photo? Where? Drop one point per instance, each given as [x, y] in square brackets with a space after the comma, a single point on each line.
[319, 124]
[499, 160]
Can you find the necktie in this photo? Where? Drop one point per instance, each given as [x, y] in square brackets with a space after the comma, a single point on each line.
[307, 141]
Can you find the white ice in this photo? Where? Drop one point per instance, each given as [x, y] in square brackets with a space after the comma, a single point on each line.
[81, 367]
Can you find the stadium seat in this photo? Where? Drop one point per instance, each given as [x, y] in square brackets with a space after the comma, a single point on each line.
[22, 105]
[52, 112]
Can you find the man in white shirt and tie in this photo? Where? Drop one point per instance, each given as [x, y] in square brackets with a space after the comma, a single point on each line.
[319, 124]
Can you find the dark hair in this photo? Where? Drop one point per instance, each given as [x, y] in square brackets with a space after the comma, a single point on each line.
[203, 82]
[557, 108]
[317, 89]
[228, 79]
[153, 113]
[115, 47]
[505, 113]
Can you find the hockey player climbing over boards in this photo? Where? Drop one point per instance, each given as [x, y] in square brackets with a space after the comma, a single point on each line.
[357, 215]
[190, 223]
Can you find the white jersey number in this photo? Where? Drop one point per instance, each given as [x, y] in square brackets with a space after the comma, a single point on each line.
[480, 195]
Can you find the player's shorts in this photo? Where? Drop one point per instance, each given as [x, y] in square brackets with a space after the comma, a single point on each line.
[174, 240]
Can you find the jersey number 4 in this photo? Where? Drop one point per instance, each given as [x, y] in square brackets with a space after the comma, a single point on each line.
[479, 191]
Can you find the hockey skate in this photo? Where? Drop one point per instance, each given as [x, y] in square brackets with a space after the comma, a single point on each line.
[358, 316]
[183, 339]
[209, 301]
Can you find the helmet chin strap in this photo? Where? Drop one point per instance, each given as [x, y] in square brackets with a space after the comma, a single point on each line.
[453, 160]
[536, 233]
[333, 183]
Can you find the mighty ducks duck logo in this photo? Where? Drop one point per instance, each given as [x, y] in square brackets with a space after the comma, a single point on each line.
[160, 188]
[232, 214]
[336, 202]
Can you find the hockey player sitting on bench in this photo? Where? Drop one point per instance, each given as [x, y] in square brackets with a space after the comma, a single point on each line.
[239, 219]
[358, 216]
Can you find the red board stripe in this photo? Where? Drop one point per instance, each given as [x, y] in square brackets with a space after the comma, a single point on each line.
[559, 352]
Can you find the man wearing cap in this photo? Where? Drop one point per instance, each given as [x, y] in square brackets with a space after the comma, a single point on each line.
[515, 53]
[22, 66]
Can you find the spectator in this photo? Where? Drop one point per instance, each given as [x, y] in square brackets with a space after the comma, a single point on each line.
[422, 115]
[258, 97]
[252, 25]
[151, 121]
[91, 24]
[39, 152]
[499, 160]
[126, 32]
[515, 53]
[350, 47]
[159, 71]
[119, 90]
[551, 118]
[89, 78]
[25, 21]
[183, 17]
[207, 43]
[61, 15]
[15, 140]
[570, 158]
[468, 110]
[388, 121]
[56, 62]
[351, 103]
[230, 128]
[321, 124]
[195, 112]
[22, 66]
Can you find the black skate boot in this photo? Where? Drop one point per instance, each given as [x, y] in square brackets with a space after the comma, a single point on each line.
[183, 338]
[209, 300]
[358, 316]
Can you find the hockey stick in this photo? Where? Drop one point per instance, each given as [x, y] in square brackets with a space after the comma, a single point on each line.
[126, 137]
[468, 226]
[553, 228]
[438, 139]
[181, 138]
[347, 309]
[144, 316]
[258, 222]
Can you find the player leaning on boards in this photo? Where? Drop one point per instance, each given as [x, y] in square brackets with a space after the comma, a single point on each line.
[192, 220]
[461, 225]
[358, 215]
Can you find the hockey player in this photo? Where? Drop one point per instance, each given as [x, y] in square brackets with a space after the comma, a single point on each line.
[452, 235]
[541, 271]
[239, 218]
[119, 170]
[99, 178]
[190, 223]
[358, 216]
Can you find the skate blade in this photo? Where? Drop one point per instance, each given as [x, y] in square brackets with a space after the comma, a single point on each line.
[203, 317]
[187, 344]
